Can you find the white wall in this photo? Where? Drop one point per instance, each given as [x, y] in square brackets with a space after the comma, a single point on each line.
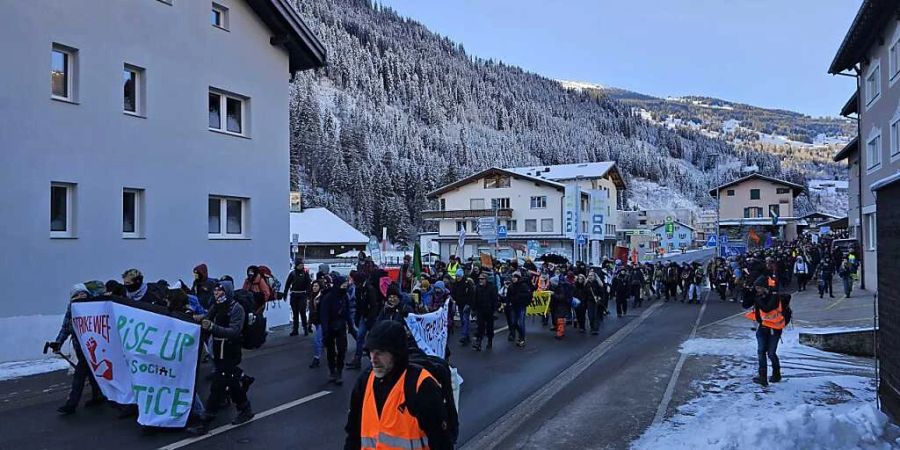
[170, 153]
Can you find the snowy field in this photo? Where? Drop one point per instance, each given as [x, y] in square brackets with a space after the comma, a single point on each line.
[826, 401]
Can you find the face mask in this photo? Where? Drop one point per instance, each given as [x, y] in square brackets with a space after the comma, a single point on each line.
[196, 276]
[132, 287]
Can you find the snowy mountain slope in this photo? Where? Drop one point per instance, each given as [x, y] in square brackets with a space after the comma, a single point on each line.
[399, 111]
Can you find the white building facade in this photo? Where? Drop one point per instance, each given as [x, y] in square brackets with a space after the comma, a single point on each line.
[124, 126]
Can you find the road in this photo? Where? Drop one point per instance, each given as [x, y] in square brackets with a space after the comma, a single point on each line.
[585, 391]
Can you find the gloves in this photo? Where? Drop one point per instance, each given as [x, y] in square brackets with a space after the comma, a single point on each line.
[55, 346]
[206, 324]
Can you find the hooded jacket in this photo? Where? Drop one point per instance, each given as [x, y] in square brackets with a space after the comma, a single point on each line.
[334, 308]
[203, 286]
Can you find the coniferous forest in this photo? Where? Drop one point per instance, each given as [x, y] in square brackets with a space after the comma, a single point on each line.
[399, 110]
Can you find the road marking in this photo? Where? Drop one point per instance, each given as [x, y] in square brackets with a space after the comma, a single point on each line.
[722, 320]
[670, 388]
[831, 306]
[504, 426]
[258, 416]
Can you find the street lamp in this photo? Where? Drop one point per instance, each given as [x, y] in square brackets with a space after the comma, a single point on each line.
[718, 203]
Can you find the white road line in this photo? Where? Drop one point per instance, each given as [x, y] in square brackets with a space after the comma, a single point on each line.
[670, 388]
[258, 416]
[501, 429]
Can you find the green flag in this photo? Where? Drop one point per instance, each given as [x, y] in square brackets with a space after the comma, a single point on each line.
[417, 261]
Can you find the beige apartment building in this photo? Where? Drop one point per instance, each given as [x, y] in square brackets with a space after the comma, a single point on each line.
[755, 208]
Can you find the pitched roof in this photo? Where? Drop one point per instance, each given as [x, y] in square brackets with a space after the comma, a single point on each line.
[797, 189]
[817, 213]
[492, 171]
[852, 105]
[677, 222]
[289, 31]
[867, 27]
[560, 172]
[321, 226]
[850, 148]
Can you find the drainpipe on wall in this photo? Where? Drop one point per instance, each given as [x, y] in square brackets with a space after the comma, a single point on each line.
[859, 97]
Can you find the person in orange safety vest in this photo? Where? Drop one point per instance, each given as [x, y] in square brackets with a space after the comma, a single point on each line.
[395, 405]
[768, 313]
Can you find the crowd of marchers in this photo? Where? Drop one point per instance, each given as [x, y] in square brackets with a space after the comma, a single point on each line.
[370, 307]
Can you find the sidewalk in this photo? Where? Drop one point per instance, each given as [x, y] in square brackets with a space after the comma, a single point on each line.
[826, 400]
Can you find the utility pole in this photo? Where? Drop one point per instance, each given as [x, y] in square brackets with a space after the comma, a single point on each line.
[718, 206]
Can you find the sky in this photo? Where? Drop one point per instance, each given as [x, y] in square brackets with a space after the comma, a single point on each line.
[769, 53]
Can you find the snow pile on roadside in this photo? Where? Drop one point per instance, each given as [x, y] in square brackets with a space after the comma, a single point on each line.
[827, 401]
[18, 369]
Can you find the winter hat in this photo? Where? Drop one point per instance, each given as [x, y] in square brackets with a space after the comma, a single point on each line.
[425, 285]
[459, 272]
[388, 336]
[440, 286]
[78, 289]
[226, 286]
[393, 290]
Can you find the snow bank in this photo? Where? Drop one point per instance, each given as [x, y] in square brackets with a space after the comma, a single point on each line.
[826, 401]
[18, 369]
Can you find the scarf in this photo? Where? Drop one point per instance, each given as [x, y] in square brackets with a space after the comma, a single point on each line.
[138, 294]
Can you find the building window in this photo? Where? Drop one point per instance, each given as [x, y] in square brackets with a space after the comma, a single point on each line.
[754, 194]
[133, 90]
[132, 213]
[546, 225]
[62, 206]
[871, 232]
[500, 203]
[62, 72]
[730, 192]
[873, 84]
[460, 225]
[752, 212]
[539, 202]
[443, 204]
[873, 153]
[512, 225]
[476, 203]
[473, 225]
[218, 16]
[774, 210]
[234, 109]
[227, 217]
[894, 60]
[782, 190]
[530, 225]
[895, 138]
[496, 182]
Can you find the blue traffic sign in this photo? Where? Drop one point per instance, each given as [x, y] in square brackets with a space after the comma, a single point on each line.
[724, 239]
[501, 231]
[711, 242]
[582, 239]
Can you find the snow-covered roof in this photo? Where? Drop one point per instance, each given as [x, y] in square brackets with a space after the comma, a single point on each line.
[321, 226]
[567, 171]
[488, 172]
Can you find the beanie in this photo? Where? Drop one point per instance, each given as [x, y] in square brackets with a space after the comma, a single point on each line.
[388, 336]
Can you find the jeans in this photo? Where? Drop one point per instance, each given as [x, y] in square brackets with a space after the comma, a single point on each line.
[318, 342]
[465, 318]
[767, 345]
[518, 326]
[848, 285]
[694, 293]
[361, 333]
[510, 320]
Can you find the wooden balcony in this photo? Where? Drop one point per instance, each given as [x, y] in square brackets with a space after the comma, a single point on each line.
[503, 213]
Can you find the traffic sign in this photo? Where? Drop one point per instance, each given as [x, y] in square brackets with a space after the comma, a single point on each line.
[723, 239]
[670, 226]
[487, 228]
[711, 242]
[502, 232]
[582, 239]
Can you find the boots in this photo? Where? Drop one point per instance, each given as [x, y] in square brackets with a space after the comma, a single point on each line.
[314, 363]
[66, 409]
[477, 345]
[490, 343]
[246, 381]
[776, 373]
[245, 414]
[201, 428]
[761, 378]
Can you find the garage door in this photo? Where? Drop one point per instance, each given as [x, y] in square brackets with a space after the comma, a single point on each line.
[888, 241]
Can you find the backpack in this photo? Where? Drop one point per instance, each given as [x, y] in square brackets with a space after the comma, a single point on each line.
[440, 370]
[271, 281]
[253, 335]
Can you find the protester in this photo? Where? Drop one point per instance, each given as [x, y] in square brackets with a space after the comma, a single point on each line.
[388, 409]
[202, 287]
[767, 313]
[82, 370]
[846, 271]
[296, 289]
[335, 320]
[225, 321]
[137, 290]
[256, 283]
[484, 303]
[802, 271]
[316, 291]
[519, 296]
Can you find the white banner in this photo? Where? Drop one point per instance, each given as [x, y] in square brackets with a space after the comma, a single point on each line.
[140, 357]
[430, 330]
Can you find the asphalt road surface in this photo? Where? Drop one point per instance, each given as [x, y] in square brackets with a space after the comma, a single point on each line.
[585, 391]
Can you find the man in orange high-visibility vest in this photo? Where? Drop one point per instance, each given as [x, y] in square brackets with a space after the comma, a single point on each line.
[395, 405]
[767, 312]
